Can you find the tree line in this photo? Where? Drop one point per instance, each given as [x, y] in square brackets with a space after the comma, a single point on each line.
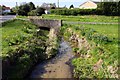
[110, 8]
[28, 9]
[104, 8]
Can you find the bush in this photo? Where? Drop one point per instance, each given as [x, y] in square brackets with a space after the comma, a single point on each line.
[37, 12]
[24, 9]
[40, 11]
[110, 9]
[32, 13]
[99, 12]
[76, 11]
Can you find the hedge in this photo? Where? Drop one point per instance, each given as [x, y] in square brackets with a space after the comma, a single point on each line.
[9, 13]
[77, 11]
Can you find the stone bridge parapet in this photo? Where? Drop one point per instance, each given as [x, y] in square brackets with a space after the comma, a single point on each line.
[47, 23]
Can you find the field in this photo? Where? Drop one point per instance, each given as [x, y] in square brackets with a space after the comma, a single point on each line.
[85, 18]
[110, 30]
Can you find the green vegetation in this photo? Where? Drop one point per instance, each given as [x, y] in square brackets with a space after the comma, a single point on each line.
[99, 59]
[110, 30]
[25, 8]
[86, 18]
[109, 8]
[13, 33]
[76, 11]
[23, 45]
[71, 6]
[23, 17]
[28, 9]
[104, 8]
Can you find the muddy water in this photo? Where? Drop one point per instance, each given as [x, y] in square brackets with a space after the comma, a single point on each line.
[58, 67]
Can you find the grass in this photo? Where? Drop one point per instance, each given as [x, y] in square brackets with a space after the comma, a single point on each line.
[13, 31]
[85, 18]
[104, 44]
[110, 30]
[82, 18]
[22, 17]
[22, 47]
[109, 55]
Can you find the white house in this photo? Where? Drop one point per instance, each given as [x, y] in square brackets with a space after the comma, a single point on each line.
[48, 6]
[88, 5]
[47, 12]
[7, 10]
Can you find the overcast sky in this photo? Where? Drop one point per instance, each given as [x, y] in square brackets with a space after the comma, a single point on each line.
[12, 3]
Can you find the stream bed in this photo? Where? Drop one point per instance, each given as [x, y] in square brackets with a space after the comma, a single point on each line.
[57, 67]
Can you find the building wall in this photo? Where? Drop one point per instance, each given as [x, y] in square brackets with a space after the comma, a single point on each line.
[6, 11]
[88, 5]
[47, 11]
[0, 12]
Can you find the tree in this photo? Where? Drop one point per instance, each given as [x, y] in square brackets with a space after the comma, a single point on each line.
[32, 13]
[3, 7]
[23, 10]
[110, 8]
[32, 6]
[40, 11]
[15, 9]
[119, 8]
[71, 6]
[52, 7]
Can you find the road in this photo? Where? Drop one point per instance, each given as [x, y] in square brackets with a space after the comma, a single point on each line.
[7, 17]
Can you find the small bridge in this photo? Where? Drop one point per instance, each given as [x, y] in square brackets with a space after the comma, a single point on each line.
[47, 23]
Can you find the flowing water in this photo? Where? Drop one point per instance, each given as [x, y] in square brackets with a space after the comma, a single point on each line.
[57, 67]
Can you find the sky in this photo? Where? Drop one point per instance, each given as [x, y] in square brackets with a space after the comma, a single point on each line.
[62, 3]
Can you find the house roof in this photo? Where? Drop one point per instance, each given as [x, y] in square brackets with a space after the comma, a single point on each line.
[90, 1]
[7, 8]
[48, 5]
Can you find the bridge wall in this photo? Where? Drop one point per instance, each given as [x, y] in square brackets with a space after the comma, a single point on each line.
[47, 23]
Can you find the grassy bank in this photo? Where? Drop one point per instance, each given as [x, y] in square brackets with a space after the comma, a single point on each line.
[110, 30]
[23, 45]
[98, 55]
